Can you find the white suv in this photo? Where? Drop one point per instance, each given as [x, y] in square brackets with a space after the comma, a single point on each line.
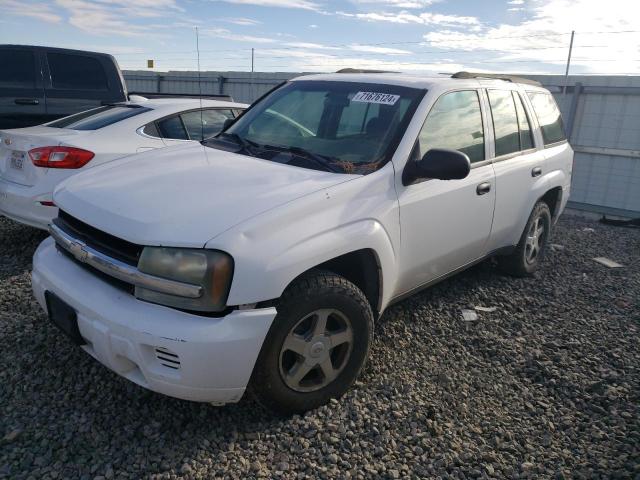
[264, 256]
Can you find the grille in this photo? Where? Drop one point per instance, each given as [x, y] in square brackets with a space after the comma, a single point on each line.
[114, 247]
[103, 242]
[167, 358]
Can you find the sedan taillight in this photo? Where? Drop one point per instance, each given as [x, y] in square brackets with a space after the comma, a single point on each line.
[60, 157]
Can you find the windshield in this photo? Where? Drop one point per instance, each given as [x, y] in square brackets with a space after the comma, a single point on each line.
[343, 127]
[98, 117]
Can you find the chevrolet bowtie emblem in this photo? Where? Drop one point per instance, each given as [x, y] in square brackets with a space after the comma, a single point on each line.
[78, 251]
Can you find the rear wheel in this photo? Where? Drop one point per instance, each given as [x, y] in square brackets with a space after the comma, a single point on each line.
[531, 248]
[317, 345]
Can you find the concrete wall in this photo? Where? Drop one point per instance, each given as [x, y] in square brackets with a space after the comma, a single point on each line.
[601, 114]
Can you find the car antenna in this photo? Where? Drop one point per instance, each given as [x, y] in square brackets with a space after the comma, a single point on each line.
[199, 83]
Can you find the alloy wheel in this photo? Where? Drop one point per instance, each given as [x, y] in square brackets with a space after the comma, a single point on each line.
[316, 350]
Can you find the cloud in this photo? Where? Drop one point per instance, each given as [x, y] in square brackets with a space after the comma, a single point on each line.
[398, 3]
[543, 38]
[227, 35]
[516, 2]
[403, 17]
[382, 50]
[303, 4]
[121, 17]
[313, 25]
[317, 46]
[241, 21]
[43, 12]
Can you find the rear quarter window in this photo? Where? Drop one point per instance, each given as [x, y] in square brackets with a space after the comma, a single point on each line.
[548, 116]
[76, 72]
[17, 69]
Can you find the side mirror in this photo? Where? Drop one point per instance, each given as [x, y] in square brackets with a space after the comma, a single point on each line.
[438, 163]
[227, 123]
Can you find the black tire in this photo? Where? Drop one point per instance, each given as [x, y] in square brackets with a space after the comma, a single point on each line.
[518, 262]
[312, 292]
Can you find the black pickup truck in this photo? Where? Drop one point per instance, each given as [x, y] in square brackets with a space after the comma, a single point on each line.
[39, 84]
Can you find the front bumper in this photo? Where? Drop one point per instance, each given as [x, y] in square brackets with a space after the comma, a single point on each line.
[165, 350]
[22, 204]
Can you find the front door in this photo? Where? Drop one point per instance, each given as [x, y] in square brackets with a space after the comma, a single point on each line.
[446, 224]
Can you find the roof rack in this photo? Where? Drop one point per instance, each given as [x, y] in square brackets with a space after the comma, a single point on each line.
[361, 70]
[496, 76]
[183, 95]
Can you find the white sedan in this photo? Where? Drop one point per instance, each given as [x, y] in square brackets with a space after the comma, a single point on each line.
[34, 160]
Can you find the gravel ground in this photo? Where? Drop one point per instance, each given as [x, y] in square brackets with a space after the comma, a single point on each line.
[545, 386]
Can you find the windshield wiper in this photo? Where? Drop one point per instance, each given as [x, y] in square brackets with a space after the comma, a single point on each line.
[320, 160]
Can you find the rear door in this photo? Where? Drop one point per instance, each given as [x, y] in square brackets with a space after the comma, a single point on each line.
[22, 102]
[74, 82]
[518, 165]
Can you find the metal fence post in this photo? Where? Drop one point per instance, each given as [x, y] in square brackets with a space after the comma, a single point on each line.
[221, 80]
[573, 108]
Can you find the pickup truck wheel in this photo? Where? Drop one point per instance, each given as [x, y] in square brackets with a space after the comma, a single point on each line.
[317, 345]
[529, 252]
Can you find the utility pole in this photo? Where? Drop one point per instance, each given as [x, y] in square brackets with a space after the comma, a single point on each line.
[566, 72]
[252, 60]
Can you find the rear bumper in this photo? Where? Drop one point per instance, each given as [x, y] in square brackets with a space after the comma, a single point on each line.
[170, 352]
[22, 204]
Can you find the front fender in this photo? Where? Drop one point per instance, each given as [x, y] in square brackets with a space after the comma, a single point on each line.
[260, 276]
[273, 249]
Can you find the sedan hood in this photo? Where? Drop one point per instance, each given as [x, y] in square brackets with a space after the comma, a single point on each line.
[183, 196]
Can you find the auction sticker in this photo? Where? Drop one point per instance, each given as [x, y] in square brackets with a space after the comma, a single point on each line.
[374, 97]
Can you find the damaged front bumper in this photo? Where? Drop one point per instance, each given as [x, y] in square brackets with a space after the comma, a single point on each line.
[171, 352]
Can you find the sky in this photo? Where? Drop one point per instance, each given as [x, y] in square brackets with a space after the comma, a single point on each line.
[521, 36]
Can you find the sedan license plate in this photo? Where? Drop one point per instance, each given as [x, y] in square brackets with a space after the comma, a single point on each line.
[17, 160]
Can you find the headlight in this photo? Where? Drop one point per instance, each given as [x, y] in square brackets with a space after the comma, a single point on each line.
[210, 269]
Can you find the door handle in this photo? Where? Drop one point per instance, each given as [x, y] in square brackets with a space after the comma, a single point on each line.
[483, 188]
[536, 172]
[26, 101]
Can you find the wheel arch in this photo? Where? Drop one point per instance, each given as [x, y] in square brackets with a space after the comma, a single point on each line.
[362, 268]
[553, 199]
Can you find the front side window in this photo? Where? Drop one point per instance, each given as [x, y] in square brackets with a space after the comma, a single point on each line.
[76, 72]
[455, 122]
[98, 117]
[549, 117]
[343, 127]
[505, 122]
[18, 69]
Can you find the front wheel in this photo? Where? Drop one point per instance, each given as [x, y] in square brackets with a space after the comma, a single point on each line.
[317, 345]
[529, 252]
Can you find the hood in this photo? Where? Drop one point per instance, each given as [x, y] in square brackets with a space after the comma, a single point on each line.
[185, 195]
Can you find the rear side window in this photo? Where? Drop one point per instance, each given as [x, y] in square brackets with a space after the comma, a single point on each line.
[206, 125]
[505, 122]
[455, 122]
[549, 117]
[76, 72]
[18, 69]
[98, 117]
[526, 138]
[172, 127]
